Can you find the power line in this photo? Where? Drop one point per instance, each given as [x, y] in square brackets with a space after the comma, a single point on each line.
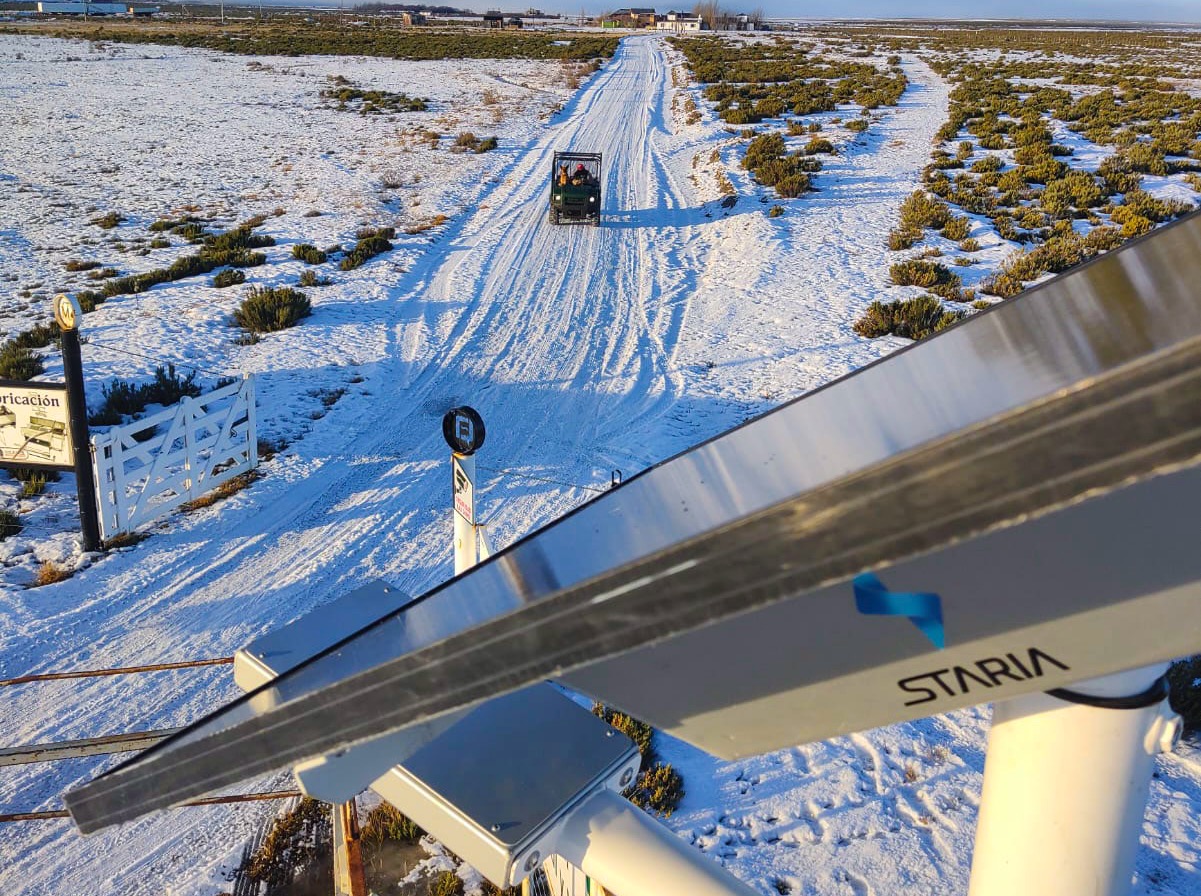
[107, 346]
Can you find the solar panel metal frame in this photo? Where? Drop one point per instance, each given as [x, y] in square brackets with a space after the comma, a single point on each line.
[1078, 394]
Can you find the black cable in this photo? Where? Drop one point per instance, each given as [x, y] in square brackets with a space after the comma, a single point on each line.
[1152, 695]
[109, 347]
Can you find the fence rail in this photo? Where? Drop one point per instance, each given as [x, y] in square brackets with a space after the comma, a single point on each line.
[207, 441]
[122, 670]
[86, 746]
[205, 801]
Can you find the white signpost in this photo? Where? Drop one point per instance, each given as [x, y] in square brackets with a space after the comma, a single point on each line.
[463, 429]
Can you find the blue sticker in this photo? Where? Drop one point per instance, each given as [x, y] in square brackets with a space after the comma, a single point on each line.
[922, 608]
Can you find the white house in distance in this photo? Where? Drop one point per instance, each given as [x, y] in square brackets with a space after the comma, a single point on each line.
[679, 22]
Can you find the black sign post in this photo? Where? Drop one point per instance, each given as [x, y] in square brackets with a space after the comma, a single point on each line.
[67, 314]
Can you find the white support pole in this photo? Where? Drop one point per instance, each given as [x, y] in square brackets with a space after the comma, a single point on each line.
[628, 852]
[1065, 788]
[464, 512]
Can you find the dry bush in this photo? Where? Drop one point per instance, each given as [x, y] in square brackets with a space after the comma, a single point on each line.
[221, 492]
[50, 572]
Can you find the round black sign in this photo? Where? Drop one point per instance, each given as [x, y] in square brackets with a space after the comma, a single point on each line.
[463, 429]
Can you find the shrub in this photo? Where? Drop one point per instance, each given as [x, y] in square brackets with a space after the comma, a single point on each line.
[920, 211]
[640, 733]
[37, 336]
[956, 229]
[446, 884]
[775, 211]
[385, 822]
[1184, 687]
[1003, 285]
[817, 145]
[124, 399]
[986, 164]
[312, 278]
[858, 125]
[366, 248]
[308, 253]
[927, 274]
[469, 142]
[909, 318]
[34, 482]
[19, 363]
[108, 221]
[658, 790]
[76, 264]
[228, 277]
[901, 238]
[291, 842]
[969, 245]
[10, 524]
[270, 308]
[49, 573]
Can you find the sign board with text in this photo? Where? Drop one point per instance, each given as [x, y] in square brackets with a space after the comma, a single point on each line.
[464, 491]
[34, 430]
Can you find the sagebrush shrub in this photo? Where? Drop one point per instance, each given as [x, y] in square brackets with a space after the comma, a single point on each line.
[386, 822]
[10, 524]
[901, 238]
[639, 732]
[1184, 688]
[956, 229]
[270, 308]
[366, 248]
[17, 362]
[920, 211]
[228, 277]
[308, 253]
[914, 318]
[916, 272]
[658, 790]
[446, 883]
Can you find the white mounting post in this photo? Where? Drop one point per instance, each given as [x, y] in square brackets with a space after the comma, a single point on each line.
[464, 485]
[1065, 787]
[463, 429]
[628, 852]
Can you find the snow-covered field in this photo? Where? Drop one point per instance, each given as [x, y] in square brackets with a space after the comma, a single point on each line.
[585, 349]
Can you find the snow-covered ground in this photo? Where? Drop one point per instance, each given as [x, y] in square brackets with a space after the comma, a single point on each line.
[585, 349]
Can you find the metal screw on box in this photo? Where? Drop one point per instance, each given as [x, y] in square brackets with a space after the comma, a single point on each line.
[67, 314]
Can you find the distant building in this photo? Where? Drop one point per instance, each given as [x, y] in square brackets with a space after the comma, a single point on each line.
[679, 22]
[630, 18]
[409, 19]
[494, 19]
[513, 23]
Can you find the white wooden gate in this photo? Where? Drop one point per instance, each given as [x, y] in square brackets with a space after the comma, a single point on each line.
[204, 442]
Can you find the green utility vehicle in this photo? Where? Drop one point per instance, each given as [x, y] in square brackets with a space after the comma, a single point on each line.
[575, 188]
